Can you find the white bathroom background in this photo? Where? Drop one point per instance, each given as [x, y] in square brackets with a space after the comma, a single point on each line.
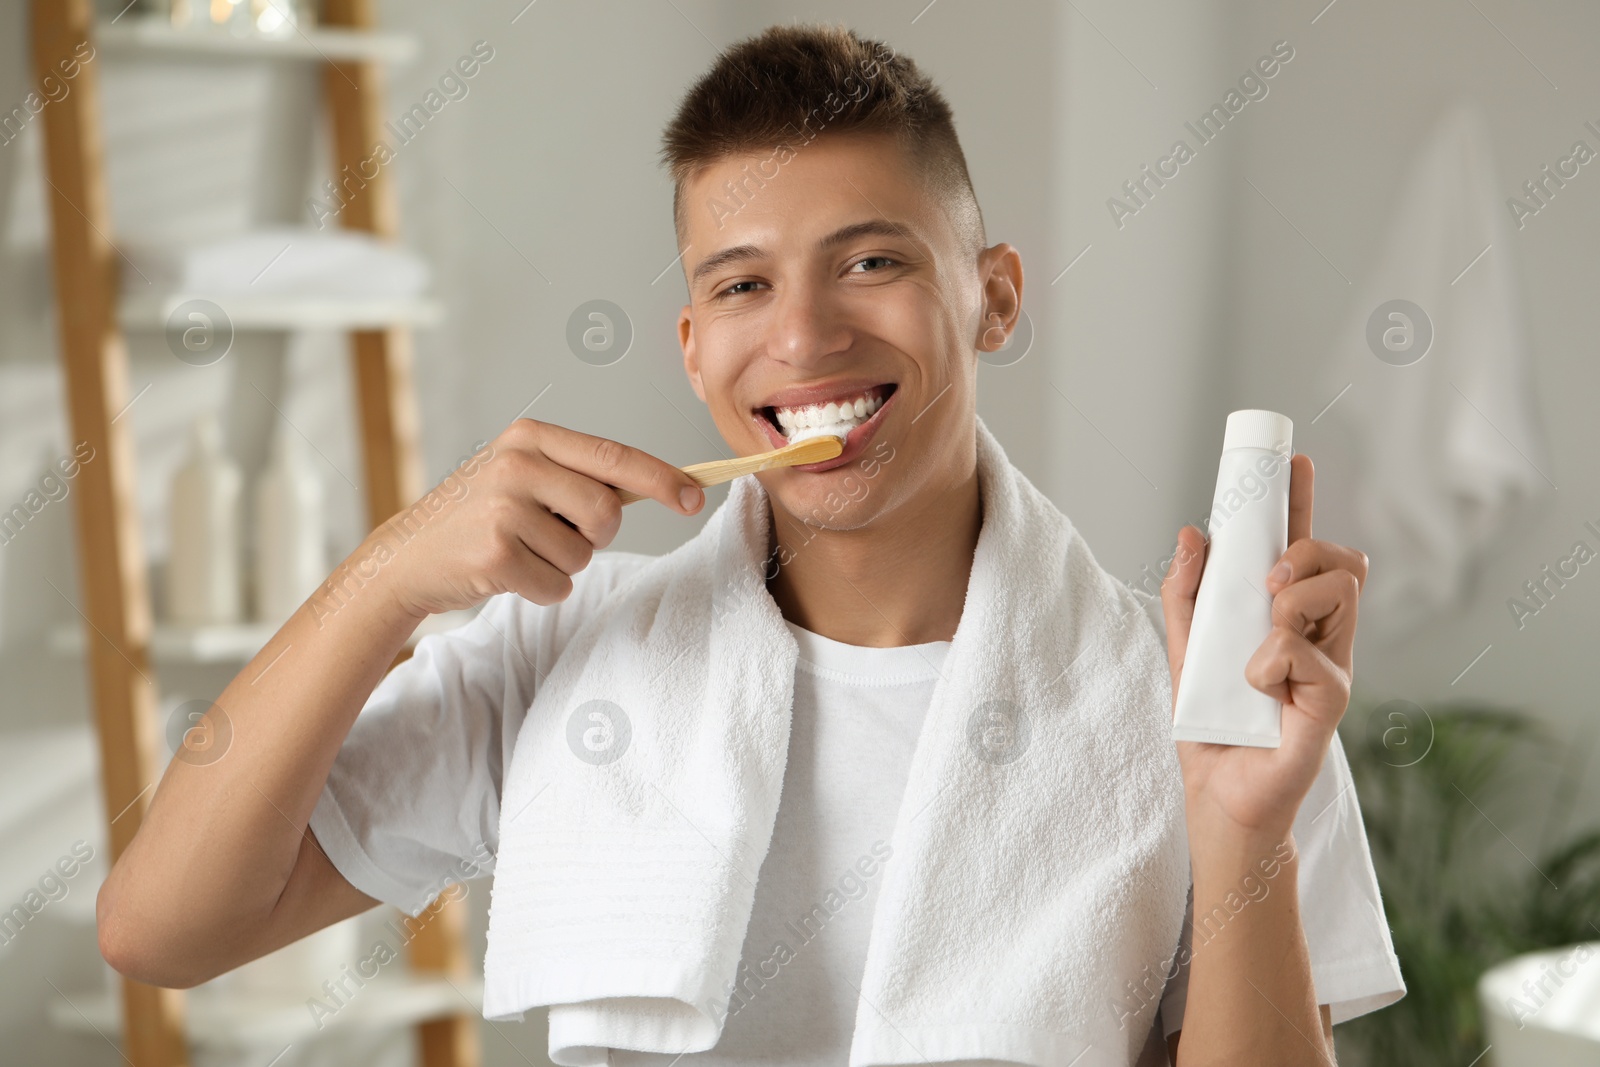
[1247, 278]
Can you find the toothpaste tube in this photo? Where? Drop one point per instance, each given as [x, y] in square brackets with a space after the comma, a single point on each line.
[1248, 532]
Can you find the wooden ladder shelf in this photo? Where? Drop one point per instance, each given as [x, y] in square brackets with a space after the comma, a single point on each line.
[111, 556]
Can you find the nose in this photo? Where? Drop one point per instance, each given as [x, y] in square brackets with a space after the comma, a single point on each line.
[807, 326]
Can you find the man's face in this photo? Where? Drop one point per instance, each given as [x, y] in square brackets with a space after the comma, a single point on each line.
[848, 297]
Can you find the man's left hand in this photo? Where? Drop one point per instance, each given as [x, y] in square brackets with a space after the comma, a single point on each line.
[1305, 663]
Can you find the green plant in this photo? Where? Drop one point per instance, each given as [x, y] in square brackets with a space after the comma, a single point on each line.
[1459, 801]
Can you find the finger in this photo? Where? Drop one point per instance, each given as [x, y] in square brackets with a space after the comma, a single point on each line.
[533, 577]
[590, 506]
[1295, 672]
[618, 465]
[1308, 556]
[1178, 589]
[554, 541]
[1322, 609]
[1302, 476]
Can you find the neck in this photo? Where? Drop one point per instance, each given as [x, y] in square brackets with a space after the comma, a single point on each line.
[899, 580]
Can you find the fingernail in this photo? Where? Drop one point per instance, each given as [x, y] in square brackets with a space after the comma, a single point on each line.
[1280, 573]
[691, 497]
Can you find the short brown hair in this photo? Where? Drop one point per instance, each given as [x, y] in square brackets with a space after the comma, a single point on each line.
[789, 84]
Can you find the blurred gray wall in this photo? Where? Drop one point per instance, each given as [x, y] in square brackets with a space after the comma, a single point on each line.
[1331, 145]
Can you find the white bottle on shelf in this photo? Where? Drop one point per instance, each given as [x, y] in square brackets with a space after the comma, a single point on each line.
[204, 573]
[291, 560]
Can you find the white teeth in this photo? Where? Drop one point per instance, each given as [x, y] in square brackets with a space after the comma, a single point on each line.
[833, 417]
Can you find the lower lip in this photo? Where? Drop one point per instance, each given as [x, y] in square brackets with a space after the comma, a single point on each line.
[855, 441]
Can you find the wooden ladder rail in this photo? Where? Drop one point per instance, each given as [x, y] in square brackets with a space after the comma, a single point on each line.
[391, 456]
[110, 550]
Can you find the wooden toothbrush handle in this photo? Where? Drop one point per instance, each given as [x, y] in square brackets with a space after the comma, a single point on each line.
[714, 472]
[717, 471]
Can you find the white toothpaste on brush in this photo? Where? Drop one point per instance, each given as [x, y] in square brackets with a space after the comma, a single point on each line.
[1248, 531]
[806, 433]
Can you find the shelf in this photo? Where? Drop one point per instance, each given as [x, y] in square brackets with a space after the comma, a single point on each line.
[223, 1019]
[284, 313]
[154, 1028]
[155, 36]
[225, 644]
[50, 799]
[39, 768]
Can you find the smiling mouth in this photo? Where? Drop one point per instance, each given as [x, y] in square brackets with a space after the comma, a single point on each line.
[837, 416]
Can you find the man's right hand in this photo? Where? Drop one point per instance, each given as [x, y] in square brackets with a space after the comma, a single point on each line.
[522, 515]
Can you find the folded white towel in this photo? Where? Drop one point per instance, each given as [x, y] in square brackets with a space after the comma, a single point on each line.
[281, 261]
[1040, 863]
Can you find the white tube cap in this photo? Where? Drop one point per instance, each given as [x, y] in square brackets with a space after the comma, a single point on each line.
[1255, 428]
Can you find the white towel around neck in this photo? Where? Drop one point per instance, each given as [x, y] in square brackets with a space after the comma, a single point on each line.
[1033, 903]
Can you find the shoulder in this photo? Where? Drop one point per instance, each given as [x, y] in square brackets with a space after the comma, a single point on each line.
[518, 633]
[1120, 601]
[1129, 609]
[1058, 555]
[606, 573]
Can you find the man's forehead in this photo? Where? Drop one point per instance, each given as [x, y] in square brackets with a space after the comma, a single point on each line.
[828, 170]
[856, 150]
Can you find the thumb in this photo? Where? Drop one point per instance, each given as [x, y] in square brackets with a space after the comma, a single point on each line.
[1178, 590]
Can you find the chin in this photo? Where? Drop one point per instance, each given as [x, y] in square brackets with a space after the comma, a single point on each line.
[841, 499]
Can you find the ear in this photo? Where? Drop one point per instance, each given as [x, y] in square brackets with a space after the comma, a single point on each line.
[1000, 268]
[691, 359]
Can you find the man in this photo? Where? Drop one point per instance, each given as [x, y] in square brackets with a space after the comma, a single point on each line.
[837, 273]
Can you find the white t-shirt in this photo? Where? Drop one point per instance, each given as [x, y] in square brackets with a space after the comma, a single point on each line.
[412, 804]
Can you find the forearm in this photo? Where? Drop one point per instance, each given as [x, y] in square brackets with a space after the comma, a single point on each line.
[1250, 998]
[226, 823]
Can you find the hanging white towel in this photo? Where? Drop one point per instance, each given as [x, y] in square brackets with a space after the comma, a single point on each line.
[1445, 447]
[1040, 867]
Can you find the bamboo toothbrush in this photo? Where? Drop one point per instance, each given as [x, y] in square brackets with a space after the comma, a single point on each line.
[811, 450]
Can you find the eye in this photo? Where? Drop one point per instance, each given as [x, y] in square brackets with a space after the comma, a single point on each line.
[873, 259]
[732, 290]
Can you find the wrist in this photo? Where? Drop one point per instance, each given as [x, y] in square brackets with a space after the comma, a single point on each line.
[375, 569]
[1227, 818]
[1220, 849]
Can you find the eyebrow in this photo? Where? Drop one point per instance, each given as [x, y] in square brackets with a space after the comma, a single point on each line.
[742, 253]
